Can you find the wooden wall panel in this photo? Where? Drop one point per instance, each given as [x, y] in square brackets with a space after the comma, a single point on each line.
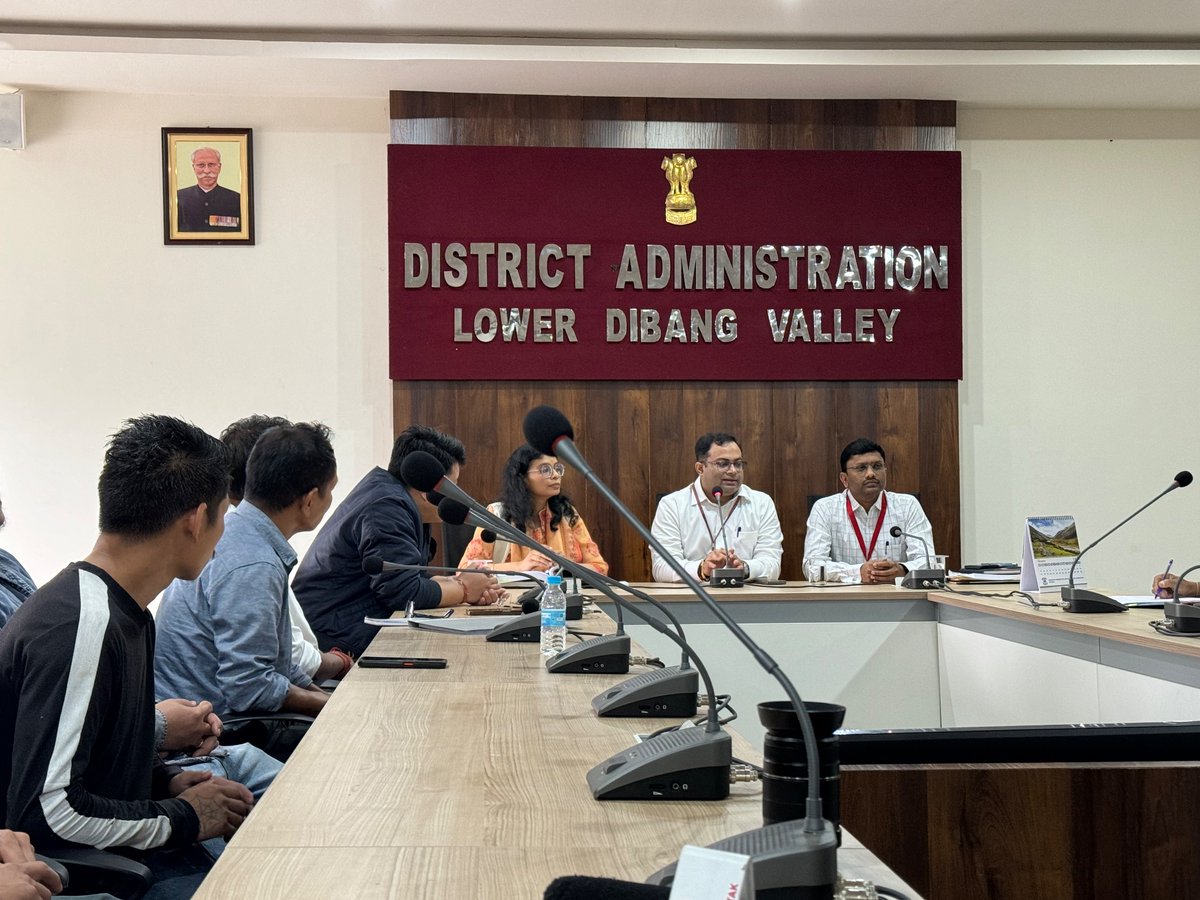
[639, 435]
[1103, 831]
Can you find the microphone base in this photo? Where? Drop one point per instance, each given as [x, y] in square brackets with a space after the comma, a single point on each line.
[727, 578]
[689, 764]
[786, 861]
[1182, 617]
[668, 693]
[526, 629]
[602, 655]
[1078, 600]
[925, 579]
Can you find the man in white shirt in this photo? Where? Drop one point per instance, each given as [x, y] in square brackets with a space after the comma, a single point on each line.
[849, 534]
[742, 531]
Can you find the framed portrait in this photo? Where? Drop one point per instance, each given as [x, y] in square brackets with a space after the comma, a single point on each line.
[208, 185]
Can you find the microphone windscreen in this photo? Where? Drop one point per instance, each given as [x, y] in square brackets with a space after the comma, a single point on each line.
[450, 510]
[488, 536]
[543, 426]
[372, 565]
[1184, 478]
[434, 497]
[531, 600]
[582, 887]
[421, 470]
[896, 531]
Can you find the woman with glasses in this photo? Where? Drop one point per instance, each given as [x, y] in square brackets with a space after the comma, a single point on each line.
[531, 499]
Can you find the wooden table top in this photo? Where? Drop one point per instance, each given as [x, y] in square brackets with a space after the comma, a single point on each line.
[468, 782]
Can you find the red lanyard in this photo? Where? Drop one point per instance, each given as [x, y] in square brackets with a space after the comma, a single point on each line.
[858, 531]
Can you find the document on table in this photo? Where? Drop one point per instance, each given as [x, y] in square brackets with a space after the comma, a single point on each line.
[1148, 601]
[983, 577]
[453, 625]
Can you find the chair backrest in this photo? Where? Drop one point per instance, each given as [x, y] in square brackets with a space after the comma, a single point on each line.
[454, 542]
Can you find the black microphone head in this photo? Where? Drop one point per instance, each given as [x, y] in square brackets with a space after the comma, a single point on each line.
[488, 536]
[716, 492]
[434, 497]
[543, 426]
[1184, 478]
[450, 510]
[896, 531]
[531, 600]
[421, 470]
[372, 565]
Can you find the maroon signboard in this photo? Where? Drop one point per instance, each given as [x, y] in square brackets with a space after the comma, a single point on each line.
[599, 264]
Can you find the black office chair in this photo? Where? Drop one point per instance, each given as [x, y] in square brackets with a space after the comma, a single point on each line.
[454, 542]
[275, 733]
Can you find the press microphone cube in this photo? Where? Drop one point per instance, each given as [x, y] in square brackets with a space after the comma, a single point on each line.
[727, 578]
[1182, 617]
[687, 764]
[607, 654]
[574, 607]
[786, 861]
[924, 579]
[661, 693]
[526, 629]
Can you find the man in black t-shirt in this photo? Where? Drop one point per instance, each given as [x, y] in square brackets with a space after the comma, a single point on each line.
[77, 744]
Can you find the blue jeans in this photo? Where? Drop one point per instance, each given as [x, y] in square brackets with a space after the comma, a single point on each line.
[243, 763]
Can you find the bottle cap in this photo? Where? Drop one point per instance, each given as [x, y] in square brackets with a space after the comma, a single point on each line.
[553, 579]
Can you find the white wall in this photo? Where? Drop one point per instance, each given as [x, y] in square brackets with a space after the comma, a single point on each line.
[1082, 299]
[1080, 294]
[100, 321]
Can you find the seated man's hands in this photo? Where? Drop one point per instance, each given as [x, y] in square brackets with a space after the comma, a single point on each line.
[1171, 586]
[221, 805]
[22, 875]
[717, 558]
[192, 727]
[880, 571]
[480, 588]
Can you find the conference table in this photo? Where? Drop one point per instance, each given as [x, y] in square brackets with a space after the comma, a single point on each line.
[469, 782]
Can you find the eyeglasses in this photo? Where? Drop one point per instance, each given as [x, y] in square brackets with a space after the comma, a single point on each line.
[724, 465]
[863, 468]
[546, 470]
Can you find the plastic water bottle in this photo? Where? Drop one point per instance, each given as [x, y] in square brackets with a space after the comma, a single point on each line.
[554, 617]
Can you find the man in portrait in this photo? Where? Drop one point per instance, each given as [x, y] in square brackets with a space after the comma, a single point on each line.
[206, 205]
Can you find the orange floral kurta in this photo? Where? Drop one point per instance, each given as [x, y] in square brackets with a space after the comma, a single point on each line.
[572, 541]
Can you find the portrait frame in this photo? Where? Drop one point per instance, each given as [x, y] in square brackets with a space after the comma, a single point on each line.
[222, 213]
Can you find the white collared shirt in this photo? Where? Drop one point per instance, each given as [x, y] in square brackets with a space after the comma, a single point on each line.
[832, 543]
[686, 529]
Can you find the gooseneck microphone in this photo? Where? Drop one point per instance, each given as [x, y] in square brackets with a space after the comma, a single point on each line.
[1078, 600]
[691, 764]
[809, 848]
[725, 576]
[664, 692]
[920, 578]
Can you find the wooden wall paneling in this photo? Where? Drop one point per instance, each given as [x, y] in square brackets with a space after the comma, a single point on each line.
[1105, 831]
[614, 122]
[805, 462]
[938, 474]
[800, 125]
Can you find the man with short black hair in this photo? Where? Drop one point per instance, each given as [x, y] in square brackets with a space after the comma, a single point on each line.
[741, 532]
[226, 636]
[383, 517]
[849, 534]
[240, 437]
[76, 668]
